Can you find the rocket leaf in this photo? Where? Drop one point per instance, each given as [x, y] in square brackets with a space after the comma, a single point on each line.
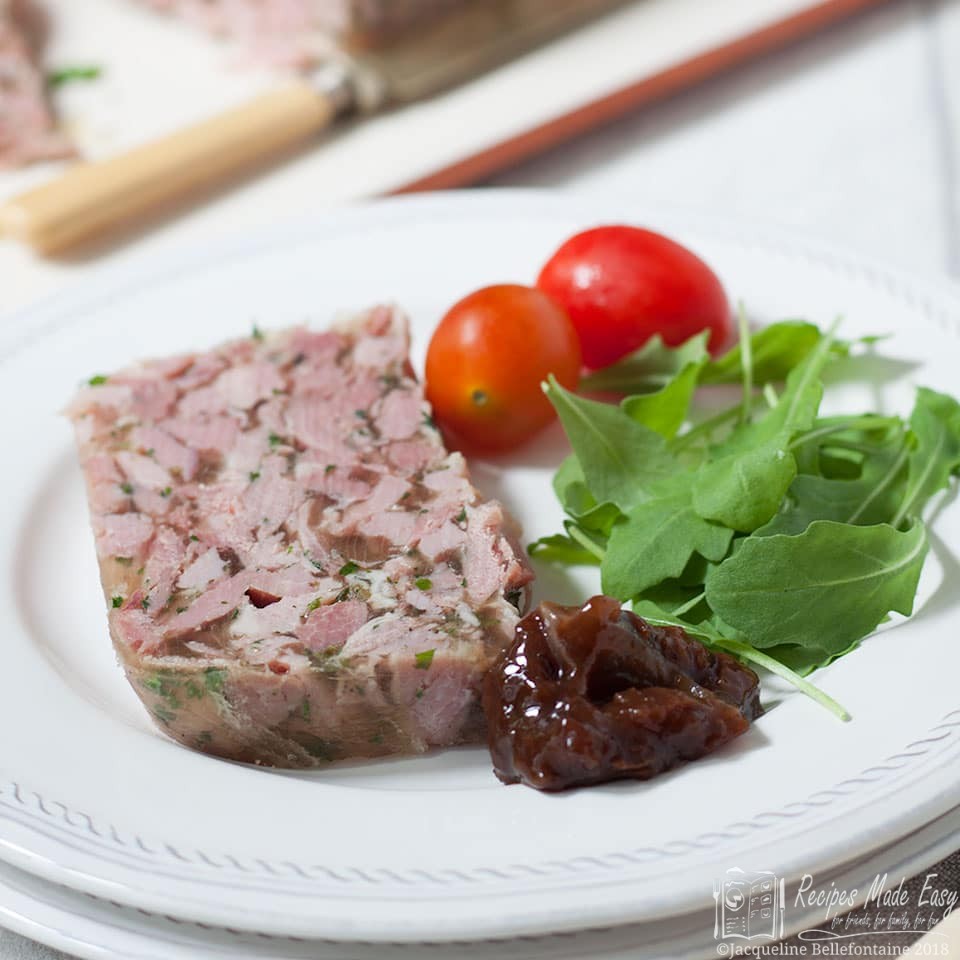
[935, 423]
[621, 460]
[650, 368]
[825, 588]
[745, 490]
[656, 541]
[665, 410]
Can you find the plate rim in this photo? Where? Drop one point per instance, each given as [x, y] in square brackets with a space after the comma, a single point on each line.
[910, 862]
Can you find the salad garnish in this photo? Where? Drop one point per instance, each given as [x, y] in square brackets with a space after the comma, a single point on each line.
[766, 529]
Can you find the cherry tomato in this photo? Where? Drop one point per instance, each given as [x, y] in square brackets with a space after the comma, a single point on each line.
[486, 362]
[621, 285]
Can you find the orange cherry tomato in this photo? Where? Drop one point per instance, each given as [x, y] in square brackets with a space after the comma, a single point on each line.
[486, 362]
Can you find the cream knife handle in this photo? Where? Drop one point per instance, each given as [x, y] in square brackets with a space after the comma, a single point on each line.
[90, 199]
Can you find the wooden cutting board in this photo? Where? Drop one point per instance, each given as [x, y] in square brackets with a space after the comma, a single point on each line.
[158, 74]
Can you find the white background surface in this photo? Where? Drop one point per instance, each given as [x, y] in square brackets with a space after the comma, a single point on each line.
[854, 136]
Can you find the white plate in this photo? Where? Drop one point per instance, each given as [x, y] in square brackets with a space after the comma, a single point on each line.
[434, 848]
[94, 928]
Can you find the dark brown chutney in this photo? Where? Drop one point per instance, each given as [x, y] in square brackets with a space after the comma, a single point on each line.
[592, 694]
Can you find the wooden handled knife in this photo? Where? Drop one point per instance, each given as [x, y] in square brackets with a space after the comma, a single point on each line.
[476, 36]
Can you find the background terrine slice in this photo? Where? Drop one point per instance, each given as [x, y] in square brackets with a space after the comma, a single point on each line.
[298, 33]
[27, 129]
[296, 571]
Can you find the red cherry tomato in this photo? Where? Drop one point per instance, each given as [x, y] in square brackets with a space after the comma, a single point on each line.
[486, 362]
[621, 285]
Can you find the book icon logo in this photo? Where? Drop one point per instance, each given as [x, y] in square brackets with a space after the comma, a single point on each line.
[748, 906]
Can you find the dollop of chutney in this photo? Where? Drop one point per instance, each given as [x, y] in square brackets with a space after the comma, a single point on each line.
[590, 694]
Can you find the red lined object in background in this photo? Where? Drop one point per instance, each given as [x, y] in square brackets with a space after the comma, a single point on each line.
[661, 85]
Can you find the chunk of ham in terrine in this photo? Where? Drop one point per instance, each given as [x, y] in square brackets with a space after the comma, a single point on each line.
[296, 571]
[27, 128]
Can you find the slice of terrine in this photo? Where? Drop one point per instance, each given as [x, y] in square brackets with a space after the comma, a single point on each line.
[299, 33]
[27, 129]
[296, 571]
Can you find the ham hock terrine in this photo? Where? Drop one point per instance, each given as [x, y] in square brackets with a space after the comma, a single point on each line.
[296, 571]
